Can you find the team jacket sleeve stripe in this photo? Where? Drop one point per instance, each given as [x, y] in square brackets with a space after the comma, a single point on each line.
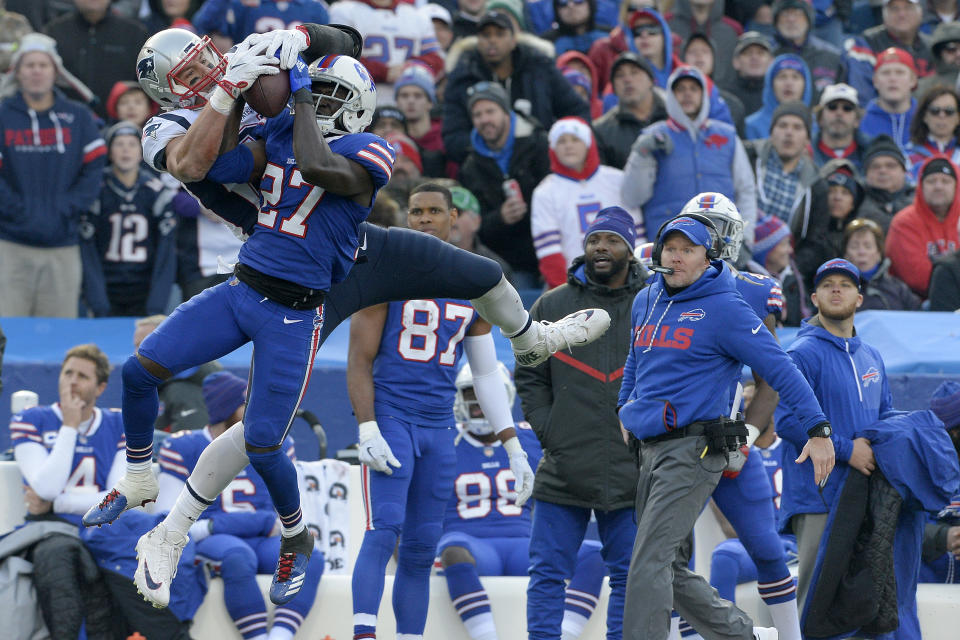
[387, 152]
[23, 426]
[98, 150]
[387, 169]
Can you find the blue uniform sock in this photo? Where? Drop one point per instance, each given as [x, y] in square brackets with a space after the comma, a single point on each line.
[241, 594]
[411, 587]
[367, 584]
[470, 600]
[583, 592]
[280, 476]
[140, 405]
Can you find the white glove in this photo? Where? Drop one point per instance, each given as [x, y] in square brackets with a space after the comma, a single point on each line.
[285, 44]
[247, 63]
[374, 450]
[521, 470]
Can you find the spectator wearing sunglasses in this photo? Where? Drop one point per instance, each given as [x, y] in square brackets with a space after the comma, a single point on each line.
[838, 117]
[645, 33]
[934, 129]
[576, 26]
[945, 45]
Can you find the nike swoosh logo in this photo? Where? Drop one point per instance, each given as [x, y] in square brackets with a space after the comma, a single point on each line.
[363, 247]
[153, 586]
[369, 453]
[287, 320]
[757, 330]
[187, 412]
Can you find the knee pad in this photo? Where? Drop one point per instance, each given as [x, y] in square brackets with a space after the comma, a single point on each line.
[239, 563]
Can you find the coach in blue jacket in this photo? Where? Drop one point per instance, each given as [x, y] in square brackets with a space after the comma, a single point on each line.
[850, 382]
[692, 332]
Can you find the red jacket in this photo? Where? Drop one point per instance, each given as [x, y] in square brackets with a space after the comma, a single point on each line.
[916, 237]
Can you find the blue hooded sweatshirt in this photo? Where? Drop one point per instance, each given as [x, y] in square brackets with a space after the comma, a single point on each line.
[688, 349]
[850, 381]
[758, 122]
[876, 121]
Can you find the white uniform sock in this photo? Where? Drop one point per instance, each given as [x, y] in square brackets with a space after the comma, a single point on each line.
[481, 627]
[786, 619]
[280, 633]
[503, 307]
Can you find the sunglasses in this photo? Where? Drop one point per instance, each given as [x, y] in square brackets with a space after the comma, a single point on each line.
[942, 111]
[846, 107]
[565, 3]
[647, 29]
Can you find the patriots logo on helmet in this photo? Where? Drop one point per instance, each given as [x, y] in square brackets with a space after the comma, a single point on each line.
[693, 315]
[146, 69]
[872, 375]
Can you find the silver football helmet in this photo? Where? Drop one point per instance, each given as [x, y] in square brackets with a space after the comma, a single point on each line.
[466, 407]
[725, 215]
[347, 83]
[179, 69]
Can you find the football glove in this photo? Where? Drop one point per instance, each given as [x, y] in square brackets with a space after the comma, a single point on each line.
[284, 44]
[523, 484]
[247, 63]
[374, 450]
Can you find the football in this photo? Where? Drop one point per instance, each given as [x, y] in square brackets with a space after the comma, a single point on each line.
[268, 95]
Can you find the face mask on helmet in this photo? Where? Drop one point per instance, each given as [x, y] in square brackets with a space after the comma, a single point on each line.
[466, 407]
[344, 95]
[198, 73]
[725, 215]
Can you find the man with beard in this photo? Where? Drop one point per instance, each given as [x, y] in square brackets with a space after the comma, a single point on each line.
[570, 401]
[830, 355]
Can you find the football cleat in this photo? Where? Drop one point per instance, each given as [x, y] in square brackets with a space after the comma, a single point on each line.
[158, 552]
[575, 330]
[130, 492]
[765, 633]
[291, 568]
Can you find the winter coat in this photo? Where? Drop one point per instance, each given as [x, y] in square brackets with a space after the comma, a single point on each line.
[860, 55]
[880, 206]
[823, 59]
[885, 292]
[52, 166]
[529, 164]
[917, 154]
[810, 219]
[758, 123]
[605, 51]
[535, 79]
[723, 31]
[945, 283]
[596, 105]
[916, 237]
[616, 130]
[822, 154]
[749, 90]
[876, 121]
[571, 400]
[707, 155]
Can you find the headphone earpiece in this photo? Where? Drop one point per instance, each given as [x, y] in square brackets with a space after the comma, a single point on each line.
[713, 253]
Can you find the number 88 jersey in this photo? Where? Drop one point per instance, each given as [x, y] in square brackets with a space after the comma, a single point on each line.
[416, 365]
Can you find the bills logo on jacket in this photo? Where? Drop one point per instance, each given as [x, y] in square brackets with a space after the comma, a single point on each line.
[872, 375]
[693, 315]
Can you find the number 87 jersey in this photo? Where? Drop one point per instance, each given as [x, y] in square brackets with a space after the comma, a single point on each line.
[305, 234]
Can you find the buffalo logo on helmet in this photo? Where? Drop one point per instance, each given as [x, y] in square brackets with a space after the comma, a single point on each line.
[146, 69]
[693, 315]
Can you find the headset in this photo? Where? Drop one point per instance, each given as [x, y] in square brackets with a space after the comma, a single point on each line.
[713, 253]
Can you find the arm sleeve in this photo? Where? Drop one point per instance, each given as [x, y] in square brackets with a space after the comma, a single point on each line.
[745, 191]
[234, 166]
[629, 380]
[934, 540]
[211, 16]
[45, 472]
[86, 187]
[225, 203]
[639, 177]
[544, 226]
[535, 388]
[78, 502]
[482, 355]
[165, 258]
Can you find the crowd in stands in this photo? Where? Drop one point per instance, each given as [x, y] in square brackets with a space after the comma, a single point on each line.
[832, 125]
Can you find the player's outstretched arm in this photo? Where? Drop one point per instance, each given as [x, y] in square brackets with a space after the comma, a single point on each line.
[319, 165]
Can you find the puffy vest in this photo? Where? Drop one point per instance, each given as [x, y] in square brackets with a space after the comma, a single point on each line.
[692, 168]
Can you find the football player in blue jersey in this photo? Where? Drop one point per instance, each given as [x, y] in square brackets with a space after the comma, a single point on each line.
[401, 368]
[743, 493]
[68, 454]
[237, 536]
[486, 534]
[180, 70]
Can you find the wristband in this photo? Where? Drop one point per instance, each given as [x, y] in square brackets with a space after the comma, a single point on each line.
[221, 101]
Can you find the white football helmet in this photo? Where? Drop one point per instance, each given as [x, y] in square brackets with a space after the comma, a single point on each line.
[165, 60]
[334, 76]
[472, 418]
[644, 254]
[725, 215]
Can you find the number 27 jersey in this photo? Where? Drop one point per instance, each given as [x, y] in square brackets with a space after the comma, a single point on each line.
[416, 366]
[305, 234]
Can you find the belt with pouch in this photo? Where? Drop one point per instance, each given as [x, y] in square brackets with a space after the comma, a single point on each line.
[691, 430]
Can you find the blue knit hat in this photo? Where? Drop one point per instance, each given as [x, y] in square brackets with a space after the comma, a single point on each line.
[768, 233]
[418, 76]
[614, 220]
[223, 393]
[946, 403]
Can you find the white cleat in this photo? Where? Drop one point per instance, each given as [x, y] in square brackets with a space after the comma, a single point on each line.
[158, 552]
[575, 330]
[765, 633]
